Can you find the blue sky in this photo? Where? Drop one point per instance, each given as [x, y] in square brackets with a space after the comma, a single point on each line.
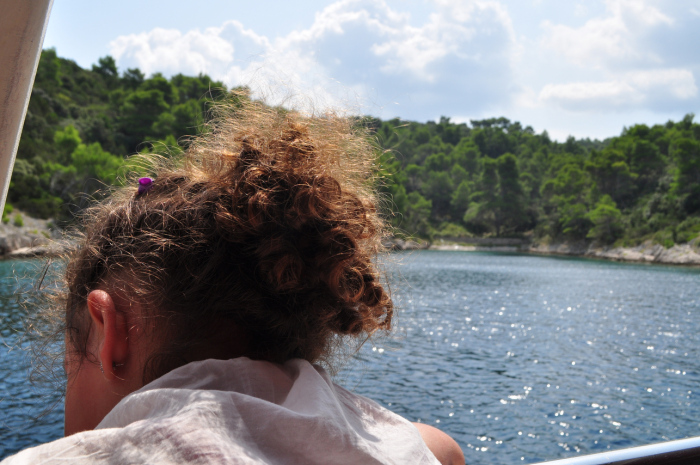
[582, 67]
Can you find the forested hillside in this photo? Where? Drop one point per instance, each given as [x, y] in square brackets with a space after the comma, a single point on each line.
[495, 177]
[491, 177]
[81, 124]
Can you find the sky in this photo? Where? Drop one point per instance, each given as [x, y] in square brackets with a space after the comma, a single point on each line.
[586, 68]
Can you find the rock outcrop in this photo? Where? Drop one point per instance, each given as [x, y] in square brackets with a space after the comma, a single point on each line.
[24, 236]
[648, 252]
[394, 243]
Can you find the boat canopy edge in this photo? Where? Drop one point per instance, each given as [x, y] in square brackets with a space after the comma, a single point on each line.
[23, 24]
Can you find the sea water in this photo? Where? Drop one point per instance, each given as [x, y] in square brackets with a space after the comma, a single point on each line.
[520, 358]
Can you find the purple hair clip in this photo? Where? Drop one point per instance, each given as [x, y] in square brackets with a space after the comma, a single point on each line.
[144, 185]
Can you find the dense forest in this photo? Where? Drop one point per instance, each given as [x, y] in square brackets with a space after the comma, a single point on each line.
[496, 178]
[82, 125]
[491, 177]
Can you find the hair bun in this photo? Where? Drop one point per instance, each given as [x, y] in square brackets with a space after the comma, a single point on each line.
[268, 221]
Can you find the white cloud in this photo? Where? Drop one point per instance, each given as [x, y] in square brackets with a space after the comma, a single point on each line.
[170, 51]
[458, 57]
[677, 83]
[634, 56]
[461, 58]
[611, 41]
[632, 90]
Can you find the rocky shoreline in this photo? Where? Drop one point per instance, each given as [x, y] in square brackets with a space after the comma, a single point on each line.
[647, 252]
[32, 237]
[26, 237]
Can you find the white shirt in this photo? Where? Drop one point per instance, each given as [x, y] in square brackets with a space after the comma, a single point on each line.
[241, 412]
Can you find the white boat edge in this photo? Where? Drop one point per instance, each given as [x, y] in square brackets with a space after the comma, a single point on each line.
[678, 451]
[23, 24]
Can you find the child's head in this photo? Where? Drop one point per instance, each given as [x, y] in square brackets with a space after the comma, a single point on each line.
[259, 241]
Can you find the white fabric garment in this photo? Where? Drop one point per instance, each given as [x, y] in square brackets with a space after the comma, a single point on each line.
[241, 412]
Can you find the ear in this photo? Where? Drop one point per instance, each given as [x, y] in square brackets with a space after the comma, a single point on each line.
[111, 331]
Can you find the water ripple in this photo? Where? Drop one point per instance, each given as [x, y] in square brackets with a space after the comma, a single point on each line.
[520, 358]
[524, 359]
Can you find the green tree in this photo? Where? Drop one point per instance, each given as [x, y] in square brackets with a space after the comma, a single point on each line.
[141, 109]
[461, 199]
[48, 73]
[438, 189]
[166, 88]
[400, 204]
[93, 163]
[200, 88]
[612, 175]
[163, 126]
[188, 117]
[466, 154]
[686, 152]
[574, 219]
[493, 142]
[107, 68]
[565, 200]
[686, 182]
[510, 207]
[66, 141]
[458, 175]
[31, 190]
[414, 177]
[648, 163]
[437, 162]
[418, 212]
[481, 216]
[133, 78]
[605, 217]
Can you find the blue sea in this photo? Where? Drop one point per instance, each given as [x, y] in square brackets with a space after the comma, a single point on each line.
[520, 358]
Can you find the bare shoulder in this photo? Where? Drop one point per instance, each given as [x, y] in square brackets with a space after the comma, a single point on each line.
[445, 449]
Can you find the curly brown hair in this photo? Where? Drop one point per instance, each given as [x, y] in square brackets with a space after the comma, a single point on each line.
[267, 223]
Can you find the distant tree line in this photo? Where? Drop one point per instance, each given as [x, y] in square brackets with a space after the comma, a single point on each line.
[496, 178]
[82, 124]
[491, 177]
